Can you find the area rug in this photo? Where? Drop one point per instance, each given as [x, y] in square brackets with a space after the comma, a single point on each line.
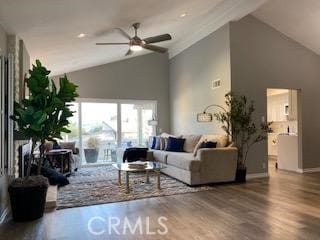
[99, 185]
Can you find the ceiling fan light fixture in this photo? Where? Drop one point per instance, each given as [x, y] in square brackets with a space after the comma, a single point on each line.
[81, 35]
[135, 48]
[183, 14]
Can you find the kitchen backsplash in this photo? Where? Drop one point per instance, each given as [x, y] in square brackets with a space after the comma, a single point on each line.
[281, 127]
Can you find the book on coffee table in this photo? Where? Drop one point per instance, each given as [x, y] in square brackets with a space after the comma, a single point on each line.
[138, 164]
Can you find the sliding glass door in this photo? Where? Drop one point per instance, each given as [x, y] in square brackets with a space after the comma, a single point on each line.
[98, 132]
[103, 129]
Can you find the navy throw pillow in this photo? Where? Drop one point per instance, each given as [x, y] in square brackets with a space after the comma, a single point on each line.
[175, 144]
[208, 144]
[154, 141]
[54, 177]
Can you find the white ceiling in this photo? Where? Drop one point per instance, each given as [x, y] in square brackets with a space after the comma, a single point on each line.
[50, 28]
[298, 19]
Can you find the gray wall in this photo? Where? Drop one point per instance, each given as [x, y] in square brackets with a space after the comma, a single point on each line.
[262, 58]
[140, 78]
[191, 75]
[3, 41]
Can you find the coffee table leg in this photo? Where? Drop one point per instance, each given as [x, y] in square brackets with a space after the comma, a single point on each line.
[158, 176]
[119, 177]
[127, 182]
[147, 176]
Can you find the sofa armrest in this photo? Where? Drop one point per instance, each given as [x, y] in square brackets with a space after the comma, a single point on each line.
[216, 153]
[218, 164]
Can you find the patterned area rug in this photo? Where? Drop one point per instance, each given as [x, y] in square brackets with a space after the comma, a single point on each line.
[98, 185]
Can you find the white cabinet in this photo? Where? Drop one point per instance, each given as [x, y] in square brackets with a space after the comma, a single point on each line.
[277, 108]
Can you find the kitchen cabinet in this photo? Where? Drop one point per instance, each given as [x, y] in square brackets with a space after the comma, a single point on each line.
[277, 108]
[283, 107]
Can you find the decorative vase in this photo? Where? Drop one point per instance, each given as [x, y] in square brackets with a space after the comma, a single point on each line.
[91, 155]
[241, 175]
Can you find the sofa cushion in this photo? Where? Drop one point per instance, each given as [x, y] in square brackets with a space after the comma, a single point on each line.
[167, 135]
[160, 156]
[190, 143]
[184, 161]
[175, 144]
[222, 141]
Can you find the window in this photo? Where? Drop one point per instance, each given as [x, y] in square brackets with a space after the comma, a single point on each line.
[109, 126]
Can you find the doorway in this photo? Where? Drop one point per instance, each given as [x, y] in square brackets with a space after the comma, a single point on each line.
[284, 142]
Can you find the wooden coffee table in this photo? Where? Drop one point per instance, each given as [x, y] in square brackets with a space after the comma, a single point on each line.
[150, 166]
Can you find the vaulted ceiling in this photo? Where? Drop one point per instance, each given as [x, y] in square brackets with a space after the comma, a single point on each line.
[50, 28]
[298, 19]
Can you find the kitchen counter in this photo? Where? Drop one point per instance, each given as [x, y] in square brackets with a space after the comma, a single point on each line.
[288, 152]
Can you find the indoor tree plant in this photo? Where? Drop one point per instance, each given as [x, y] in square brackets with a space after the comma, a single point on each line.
[92, 151]
[238, 123]
[43, 116]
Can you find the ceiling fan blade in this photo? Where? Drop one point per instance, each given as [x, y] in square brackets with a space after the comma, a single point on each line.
[129, 52]
[159, 38]
[155, 48]
[123, 33]
[112, 43]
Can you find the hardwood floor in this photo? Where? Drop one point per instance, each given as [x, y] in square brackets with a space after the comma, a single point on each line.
[284, 206]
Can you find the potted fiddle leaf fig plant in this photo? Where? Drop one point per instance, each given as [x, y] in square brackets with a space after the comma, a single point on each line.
[43, 116]
[92, 151]
[238, 123]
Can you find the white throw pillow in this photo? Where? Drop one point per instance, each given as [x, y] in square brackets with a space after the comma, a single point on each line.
[190, 142]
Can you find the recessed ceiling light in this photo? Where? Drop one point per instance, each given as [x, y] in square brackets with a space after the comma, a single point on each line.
[183, 14]
[82, 35]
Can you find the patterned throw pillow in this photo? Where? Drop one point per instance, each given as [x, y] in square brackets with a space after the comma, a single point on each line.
[158, 143]
[162, 143]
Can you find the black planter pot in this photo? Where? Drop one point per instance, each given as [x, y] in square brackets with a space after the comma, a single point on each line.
[91, 155]
[28, 200]
[241, 175]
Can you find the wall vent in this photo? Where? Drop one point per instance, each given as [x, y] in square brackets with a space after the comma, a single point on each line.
[216, 83]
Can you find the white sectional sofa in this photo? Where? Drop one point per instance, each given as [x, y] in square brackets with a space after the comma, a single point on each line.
[197, 166]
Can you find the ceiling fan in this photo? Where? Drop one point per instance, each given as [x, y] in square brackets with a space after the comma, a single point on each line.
[136, 43]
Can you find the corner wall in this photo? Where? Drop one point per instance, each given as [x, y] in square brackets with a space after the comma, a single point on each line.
[261, 58]
[191, 75]
[140, 78]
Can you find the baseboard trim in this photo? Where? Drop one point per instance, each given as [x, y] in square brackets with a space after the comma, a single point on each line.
[308, 170]
[256, 175]
[5, 215]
